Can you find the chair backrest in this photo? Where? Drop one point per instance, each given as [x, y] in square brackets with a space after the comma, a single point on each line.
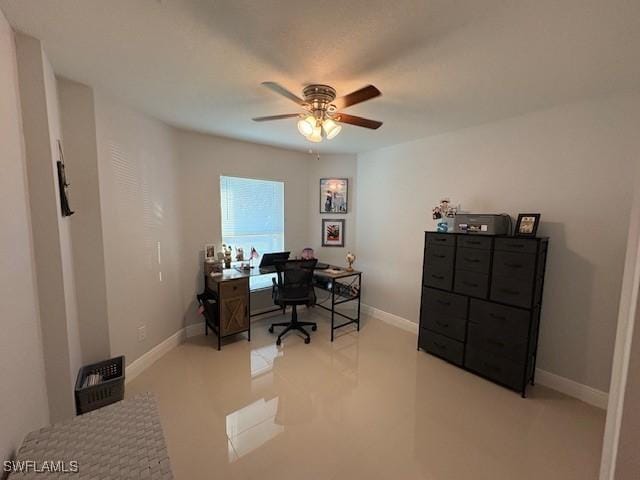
[295, 273]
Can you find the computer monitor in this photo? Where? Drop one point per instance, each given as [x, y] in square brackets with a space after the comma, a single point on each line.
[270, 259]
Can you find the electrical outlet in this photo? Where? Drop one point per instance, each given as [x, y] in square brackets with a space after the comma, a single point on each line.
[142, 333]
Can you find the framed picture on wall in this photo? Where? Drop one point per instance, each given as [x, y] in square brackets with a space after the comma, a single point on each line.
[527, 224]
[332, 232]
[334, 195]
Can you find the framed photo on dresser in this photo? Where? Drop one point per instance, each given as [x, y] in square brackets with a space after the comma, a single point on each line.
[527, 224]
[334, 195]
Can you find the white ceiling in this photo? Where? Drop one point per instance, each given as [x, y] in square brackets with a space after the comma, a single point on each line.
[440, 64]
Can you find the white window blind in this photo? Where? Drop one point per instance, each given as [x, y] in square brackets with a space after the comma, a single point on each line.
[252, 215]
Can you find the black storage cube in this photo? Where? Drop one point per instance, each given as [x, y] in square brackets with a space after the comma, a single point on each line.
[108, 391]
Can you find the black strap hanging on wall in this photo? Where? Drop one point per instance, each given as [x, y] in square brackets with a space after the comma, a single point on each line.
[63, 185]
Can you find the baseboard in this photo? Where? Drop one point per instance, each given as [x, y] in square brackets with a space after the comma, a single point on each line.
[587, 394]
[390, 318]
[569, 387]
[136, 367]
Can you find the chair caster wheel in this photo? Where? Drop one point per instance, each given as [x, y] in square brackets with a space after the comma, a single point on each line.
[270, 329]
[278, 342]
[314, 328]
[307, 340]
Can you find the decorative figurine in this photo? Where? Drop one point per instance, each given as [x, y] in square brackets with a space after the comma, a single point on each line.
[350, 259]
[254, 255]
[239, 254]
[227, 255]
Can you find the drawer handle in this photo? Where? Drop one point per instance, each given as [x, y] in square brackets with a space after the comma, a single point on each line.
[442, 302]
[470, 284]
[445, 325]
[492, 367]
[514, 265]
[515, 245]
[439, 256]
[441, 346]
[437, 277]
[471, 260]
[497, 317]
[509, 292]
[495, 342]
[471, 322]
[474, 242]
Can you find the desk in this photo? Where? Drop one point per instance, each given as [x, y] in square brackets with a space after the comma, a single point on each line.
[231, 290]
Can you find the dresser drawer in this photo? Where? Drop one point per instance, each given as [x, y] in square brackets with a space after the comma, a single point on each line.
[438, 277]
[439, 345]
[513, 348]
[439, 256]
[499, 320]
[471, 283]
[444, 304]
[474, 241]
[451, 327]
[512, 291]
[441, 239]
[495, 367]
[514, 264]
[513, 244]
[473, 260]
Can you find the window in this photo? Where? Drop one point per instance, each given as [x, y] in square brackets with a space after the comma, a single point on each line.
[253, 216]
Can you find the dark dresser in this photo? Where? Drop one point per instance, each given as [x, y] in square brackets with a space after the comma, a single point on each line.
[481, 301]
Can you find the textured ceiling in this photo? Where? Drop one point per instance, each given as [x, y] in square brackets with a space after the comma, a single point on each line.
[441, 64]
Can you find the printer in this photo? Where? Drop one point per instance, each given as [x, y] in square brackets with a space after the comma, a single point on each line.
[483, 224]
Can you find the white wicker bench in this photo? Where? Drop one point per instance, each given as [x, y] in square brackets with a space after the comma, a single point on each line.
[120, 441]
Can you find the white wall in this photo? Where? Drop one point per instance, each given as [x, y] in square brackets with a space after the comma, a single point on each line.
[572, 163]
[22, 380]
[138, 173]
[51, 237]
[332, 166]
[203, 159]
[81, 159]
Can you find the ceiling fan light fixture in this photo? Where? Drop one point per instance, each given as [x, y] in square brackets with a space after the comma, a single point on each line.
[331, 128]
[316, 135]
[306, 125]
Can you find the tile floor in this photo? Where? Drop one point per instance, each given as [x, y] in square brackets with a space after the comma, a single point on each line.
[369, 406]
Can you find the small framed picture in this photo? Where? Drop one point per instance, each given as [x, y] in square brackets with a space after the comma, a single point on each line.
[334, 194]
[527, 224]
[332, 233]
[209, 252]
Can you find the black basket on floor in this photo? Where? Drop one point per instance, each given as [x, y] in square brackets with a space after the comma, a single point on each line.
[108, 391]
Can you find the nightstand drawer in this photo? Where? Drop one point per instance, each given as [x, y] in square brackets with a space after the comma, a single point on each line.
[441, 239]
[473, 260]
[514, 349]
[471, 283]
[514, 244]
[514, 264]
[439, 345]
[475, 241]
[495, 367]
[444, 304]
[451, 327]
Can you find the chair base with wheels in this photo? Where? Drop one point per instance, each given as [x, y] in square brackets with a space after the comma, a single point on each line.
[294, 324]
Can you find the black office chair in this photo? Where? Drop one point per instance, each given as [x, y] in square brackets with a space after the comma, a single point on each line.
[294, 287]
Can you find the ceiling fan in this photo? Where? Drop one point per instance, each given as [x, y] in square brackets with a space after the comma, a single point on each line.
[321, 118]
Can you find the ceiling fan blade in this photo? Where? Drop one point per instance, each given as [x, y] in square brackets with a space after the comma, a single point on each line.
[275, 117]
[359, 96]
[358, 121]
[275, 87]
